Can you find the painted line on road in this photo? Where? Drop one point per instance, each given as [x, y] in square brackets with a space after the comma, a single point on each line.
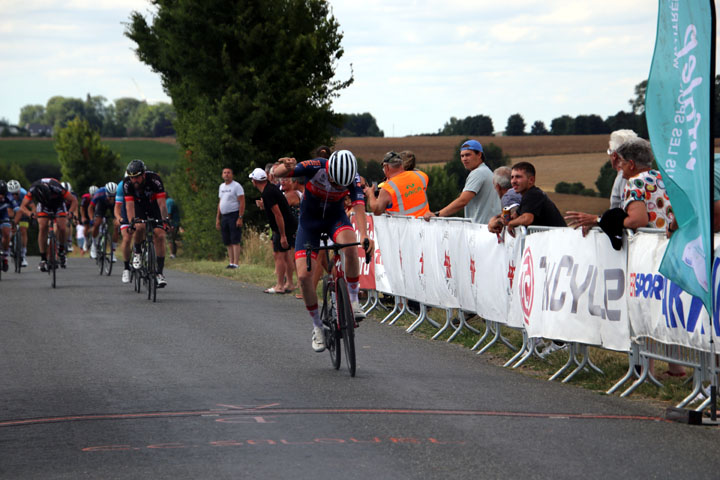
[255, 411]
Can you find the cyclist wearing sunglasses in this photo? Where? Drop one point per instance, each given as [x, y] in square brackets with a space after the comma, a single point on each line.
[145, 198]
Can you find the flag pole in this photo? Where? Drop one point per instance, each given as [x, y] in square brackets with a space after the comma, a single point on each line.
[713, 362]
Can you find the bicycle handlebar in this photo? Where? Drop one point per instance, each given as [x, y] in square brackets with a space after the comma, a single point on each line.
[336, 247]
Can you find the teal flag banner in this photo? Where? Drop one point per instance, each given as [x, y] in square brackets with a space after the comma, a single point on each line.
[677, 106]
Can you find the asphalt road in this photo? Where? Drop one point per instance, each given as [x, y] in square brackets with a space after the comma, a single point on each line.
[218, 380]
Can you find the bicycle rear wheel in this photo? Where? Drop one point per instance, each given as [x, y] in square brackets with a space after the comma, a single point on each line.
[151, 272]
[330, 324]
[346, 318]
[108, 251]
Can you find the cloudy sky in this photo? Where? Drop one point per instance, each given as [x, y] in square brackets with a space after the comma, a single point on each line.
[416, 63]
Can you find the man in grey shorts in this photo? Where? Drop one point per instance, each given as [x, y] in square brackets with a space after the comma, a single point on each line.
[230, 211]
[478, 197]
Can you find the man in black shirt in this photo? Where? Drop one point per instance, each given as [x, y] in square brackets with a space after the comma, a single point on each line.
[283, 225]
[535, 208]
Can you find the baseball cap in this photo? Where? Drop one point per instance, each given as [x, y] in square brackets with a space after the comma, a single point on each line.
[258, 174]
[471, 145]
[611, 223]
[392, 158]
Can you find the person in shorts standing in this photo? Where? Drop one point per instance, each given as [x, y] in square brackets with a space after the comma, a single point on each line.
[230, 211]
[283, 225]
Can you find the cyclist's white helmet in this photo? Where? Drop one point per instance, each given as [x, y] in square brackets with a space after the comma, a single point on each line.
[111, 188]
[67, 186]
[93, 189]
[13, 186]
[342, 167]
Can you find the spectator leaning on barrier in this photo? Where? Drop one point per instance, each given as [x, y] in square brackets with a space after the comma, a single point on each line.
[230, 211]
[617, 138]
[536, 208]
[478, 196]
[645, 202]
[403, 193]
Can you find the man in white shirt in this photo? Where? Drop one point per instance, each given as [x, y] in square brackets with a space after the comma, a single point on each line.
[230, 211]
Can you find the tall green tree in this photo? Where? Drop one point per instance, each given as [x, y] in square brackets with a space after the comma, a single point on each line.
[564, 125]
[539, 128]
[250, 81]
[515, 125]
[478, 125]
[360, 125]
[32, 114]
[84, 159]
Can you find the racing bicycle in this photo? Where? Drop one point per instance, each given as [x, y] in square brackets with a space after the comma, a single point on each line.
[146, 275]
[17, 249]
[105, 248]
[337, 313]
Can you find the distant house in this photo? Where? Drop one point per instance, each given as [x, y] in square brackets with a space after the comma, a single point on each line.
[39, 130]
[9, 130]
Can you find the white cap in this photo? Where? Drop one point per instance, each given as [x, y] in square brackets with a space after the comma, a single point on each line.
[258, 174]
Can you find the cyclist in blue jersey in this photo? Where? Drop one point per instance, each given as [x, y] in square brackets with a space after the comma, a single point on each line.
[102, 203]
[19, 193]
[122, 222]
[8, 207]
[322, 210]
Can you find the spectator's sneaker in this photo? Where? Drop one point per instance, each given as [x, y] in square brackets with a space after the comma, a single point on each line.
[136, 261]
[69, 247]
[93, 251]
[24, 262]
[161, 282]
[43, 267]
[172, 255]
[63, 259]
[552, 347]
[318, 339]
[358, 311]
[112, 258]
[126, 276]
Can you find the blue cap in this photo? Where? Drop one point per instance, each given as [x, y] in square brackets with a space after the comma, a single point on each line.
[471, 145]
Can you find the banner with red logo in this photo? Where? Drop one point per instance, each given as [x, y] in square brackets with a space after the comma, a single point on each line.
[485, 267]
[443, 253]
[388, 273]
[367, 270]
[658, 307]
[572, 288]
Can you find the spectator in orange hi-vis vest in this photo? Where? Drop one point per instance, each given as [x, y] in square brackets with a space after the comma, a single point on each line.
[404, 192]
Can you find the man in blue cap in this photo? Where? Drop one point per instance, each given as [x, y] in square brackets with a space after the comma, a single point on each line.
[478, 197]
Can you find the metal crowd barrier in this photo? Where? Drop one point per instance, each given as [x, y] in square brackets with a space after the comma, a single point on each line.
[704, 369]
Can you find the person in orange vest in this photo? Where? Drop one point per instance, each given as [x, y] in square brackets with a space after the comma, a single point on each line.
[403, 193]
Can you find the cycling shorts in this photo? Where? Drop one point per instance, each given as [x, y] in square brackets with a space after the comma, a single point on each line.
[59, 209]
[310, 229]
[101, 209]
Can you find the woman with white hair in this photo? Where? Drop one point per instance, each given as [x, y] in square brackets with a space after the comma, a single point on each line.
[617, 138]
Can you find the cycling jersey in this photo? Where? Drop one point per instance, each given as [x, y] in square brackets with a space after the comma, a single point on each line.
[24, 220]
[322, 209]
[84, 204]
[7, 202]
[56, 203]
[120, 198]
[102, 201]
[145, 195]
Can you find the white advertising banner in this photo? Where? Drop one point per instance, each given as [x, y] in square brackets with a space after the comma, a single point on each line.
[446, 259]
[513, 247]
[412, 256]
[487, 262]
[382, 240]
[573, 289]
[659, 308]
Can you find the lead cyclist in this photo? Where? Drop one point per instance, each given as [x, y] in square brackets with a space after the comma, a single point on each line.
[328, 182]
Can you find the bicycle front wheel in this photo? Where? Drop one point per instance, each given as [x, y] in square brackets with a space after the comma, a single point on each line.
[17, 250]
[346, 318]
[330, 324]
[151, 272]
[108, 251]
[100, 252]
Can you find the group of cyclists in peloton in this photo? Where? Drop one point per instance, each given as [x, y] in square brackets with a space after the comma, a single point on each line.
[139, 195]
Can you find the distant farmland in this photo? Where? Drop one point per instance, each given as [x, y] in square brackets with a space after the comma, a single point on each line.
[160, 153]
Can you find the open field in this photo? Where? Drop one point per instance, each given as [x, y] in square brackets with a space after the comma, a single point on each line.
[156, 153]
[441, 149]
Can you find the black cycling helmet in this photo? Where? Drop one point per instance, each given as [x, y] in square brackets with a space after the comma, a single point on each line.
[3, 187]
[41, 193]
[135, 168]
